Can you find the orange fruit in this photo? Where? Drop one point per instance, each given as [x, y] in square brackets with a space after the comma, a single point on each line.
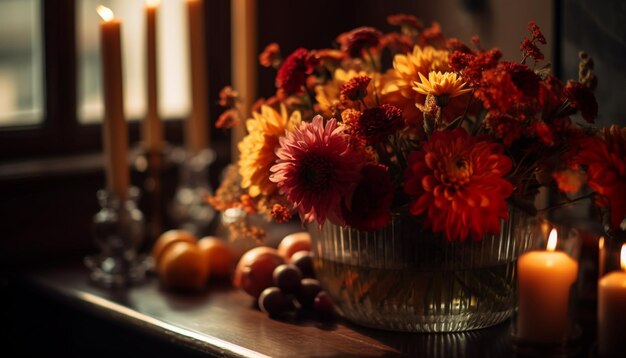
[168, 238]
[255, 268]
[292, 243]
[183, 265]
[218, 255]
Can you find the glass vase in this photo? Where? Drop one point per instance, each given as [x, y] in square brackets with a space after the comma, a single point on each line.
[404, 278]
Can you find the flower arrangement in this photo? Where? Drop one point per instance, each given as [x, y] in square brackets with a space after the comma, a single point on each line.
[449, 130]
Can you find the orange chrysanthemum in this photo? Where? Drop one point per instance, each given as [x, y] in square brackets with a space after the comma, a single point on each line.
[458, 182]
[258, 148]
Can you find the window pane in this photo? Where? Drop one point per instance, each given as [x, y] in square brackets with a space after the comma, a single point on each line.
[21, 85]
[172, 58]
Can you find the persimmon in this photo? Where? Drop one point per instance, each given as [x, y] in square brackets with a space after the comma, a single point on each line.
[292, 243]
[184, 266]
[218, 255]
[255, 268]
[168, 238]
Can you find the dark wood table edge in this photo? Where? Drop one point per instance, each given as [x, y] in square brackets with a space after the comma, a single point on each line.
[115, 312]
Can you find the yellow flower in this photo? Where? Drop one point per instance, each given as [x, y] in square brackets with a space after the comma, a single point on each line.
[257, 148]
[421, 61]
[440, 84]
[350, 117]
[398, 91]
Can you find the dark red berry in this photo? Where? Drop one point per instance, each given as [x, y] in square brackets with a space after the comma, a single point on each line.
[287, 278]
[273, 301]
[304, 261]
[322, 303]
[309, 288]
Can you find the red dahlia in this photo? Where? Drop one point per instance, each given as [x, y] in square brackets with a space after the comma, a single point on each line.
[291, 76]
[376, 124]
[458, 183]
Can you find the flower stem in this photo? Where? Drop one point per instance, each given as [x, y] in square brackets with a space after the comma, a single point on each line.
[567, 202]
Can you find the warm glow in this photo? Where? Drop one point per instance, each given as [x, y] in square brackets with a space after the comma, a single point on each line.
[545, 227]
[552, 240]
[153, 3]
[105, 13]
[623, 257]
[601, 243]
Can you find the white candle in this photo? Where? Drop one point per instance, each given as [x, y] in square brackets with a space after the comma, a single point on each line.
[114, 127]
[244, 63]
[545, 279]
[197, 129]
[612, 311]
[152, 127]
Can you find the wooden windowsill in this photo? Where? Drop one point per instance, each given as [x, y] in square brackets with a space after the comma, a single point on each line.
[223, 321]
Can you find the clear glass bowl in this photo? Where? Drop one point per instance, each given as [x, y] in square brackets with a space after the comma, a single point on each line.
[404, 278]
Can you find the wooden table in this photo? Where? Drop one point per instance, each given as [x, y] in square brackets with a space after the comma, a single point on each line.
[224, 322]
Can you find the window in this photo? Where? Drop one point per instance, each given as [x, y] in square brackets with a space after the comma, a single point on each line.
[50, 100]
[172, 58]
[21, 61]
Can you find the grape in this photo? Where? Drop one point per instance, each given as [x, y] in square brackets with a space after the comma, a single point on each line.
[274, 302]
[287, 278]
[309, 288]
[304, 261]
[323, 304]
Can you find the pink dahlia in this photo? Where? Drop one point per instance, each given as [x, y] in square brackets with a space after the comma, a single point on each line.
[458, 182]
[316, 169]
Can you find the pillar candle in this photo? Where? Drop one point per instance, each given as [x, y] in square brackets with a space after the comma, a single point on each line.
[545, 279]
[244, 63]
[115, 130]
[197, 128]
[152, 131]
[612, 311]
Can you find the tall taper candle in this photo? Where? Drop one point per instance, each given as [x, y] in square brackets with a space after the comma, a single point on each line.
[244, 63]
[152, 131]
[197, 128]
[115, 130]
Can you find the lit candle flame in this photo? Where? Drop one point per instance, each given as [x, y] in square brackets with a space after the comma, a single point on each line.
[601, 243]
[623, 257]
[105, 13]
[153, 3]
[552, 240]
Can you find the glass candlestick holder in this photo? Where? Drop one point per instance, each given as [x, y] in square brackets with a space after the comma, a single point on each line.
[118, 232]
[150, 167]
[190, 209]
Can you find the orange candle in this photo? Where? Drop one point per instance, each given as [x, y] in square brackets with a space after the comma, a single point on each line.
[244, 65]
[612, 311]
[114, 131]
[197, 129]
[152, 127]
[545, 279]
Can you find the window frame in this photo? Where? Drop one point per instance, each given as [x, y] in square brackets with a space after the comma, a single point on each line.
[60, 131]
